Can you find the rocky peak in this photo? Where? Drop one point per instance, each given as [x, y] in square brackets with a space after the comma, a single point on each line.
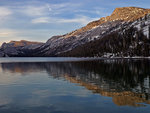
[128, 13]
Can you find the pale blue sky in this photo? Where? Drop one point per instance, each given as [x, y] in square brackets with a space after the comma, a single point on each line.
[38, 20]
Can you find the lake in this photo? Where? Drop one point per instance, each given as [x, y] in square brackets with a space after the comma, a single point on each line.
[72, 85]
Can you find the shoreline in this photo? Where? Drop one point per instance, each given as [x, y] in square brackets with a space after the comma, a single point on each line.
[64, 59]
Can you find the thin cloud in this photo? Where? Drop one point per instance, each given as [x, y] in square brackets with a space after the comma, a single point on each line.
[79, 19]
[7, 32]
[41, 20]
[56, 9]
[35, 10]
[5, 12]
[47, 9]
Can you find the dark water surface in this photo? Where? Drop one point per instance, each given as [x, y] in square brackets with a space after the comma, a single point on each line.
[100, 86]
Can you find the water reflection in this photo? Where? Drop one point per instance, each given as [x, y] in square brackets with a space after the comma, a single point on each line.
[126, 81]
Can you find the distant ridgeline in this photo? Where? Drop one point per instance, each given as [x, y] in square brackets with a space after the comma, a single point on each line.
[125, 33]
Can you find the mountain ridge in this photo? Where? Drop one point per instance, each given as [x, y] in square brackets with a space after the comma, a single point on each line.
[133, 18]
[114, 16]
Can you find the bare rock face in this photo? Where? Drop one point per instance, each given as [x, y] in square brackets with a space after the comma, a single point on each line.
[128, 13]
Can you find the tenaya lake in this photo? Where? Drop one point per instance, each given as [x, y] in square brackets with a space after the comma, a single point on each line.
[72, 85]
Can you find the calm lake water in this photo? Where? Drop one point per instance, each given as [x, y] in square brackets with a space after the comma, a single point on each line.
[49, 85]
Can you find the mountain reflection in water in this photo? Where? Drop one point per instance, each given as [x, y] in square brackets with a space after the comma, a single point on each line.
[127, 82]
